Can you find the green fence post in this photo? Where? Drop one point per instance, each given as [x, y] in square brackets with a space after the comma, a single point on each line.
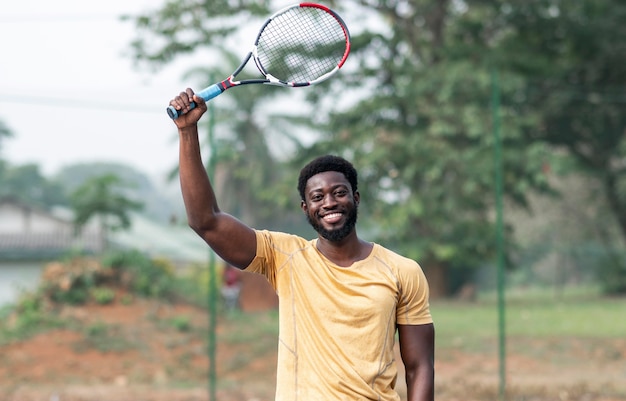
[499, 232]
[213, 284]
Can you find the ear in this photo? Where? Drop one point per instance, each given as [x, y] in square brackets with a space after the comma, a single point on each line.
[303, 206]
[357, 197]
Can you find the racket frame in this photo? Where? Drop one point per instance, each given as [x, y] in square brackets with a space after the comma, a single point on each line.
[217, 89]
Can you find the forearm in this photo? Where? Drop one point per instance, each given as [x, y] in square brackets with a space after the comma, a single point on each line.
[232, 240]
[417, 348]
[198, 195]
[420, 384]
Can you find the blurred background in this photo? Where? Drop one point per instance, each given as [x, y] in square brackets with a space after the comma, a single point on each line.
[490, 140]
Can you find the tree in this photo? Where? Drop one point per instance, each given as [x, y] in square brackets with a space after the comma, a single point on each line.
[4, 132]
[581, 94]
[414, 108]
[243, 149]
[424, 135]
[27, 184]
[576, 77]
[137, 185]
[103, 197]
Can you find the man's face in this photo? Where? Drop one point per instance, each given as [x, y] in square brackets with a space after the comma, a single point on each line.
[330, 206]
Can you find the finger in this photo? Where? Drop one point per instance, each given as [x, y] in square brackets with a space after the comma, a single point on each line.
[198, 100]
[181, 102]
[177, 100]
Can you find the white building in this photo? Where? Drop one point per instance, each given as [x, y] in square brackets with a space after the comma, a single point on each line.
[30, 238]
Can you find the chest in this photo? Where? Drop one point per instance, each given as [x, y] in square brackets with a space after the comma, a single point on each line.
[365, 292]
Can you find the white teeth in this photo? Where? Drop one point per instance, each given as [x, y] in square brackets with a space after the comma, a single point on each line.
[332, 216]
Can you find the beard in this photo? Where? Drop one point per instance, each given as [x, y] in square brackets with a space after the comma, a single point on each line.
[338, 234]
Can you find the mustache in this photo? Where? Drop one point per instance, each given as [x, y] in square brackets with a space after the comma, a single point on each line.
[339, 233]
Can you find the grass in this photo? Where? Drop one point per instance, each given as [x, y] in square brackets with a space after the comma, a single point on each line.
[564, 329]
[533, 313]
[104, 338]
[265, 326]
[540, 314]
[536, 313]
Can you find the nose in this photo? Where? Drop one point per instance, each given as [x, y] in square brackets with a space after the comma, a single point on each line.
[329, 201]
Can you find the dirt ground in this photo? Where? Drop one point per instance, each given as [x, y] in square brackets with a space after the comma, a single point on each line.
[142, 351]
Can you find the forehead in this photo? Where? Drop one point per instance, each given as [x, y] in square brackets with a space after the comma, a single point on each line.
[327, 179]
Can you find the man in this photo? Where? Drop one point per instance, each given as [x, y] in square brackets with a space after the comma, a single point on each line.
[341, 299]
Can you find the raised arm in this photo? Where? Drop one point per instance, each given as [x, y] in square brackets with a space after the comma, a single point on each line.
[417, 350]
[232, 240]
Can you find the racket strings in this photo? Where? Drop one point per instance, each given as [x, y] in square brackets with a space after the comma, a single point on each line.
[301, 45]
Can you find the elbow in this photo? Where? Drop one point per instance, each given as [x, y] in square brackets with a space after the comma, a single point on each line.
[201, 224]
[424, 371]
[195, 226]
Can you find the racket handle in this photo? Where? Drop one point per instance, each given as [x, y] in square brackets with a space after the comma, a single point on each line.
[206, 94]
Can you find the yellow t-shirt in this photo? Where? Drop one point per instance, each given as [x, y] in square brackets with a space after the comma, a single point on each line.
[337, 324]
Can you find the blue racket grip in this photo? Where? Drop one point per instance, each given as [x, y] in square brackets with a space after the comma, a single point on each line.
[206, 94]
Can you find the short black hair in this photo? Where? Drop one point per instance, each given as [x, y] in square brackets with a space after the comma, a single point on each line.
[327, 163]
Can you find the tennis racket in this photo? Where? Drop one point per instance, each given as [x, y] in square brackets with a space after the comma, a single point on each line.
[300, 45]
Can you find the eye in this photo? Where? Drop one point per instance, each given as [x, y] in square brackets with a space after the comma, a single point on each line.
[341, 193]
[316, 198]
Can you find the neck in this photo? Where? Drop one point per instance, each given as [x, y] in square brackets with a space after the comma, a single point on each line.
[345, 252]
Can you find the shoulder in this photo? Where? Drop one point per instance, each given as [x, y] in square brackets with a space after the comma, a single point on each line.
[277, 239]
[408, 272]
[393, 258]
[273, 248]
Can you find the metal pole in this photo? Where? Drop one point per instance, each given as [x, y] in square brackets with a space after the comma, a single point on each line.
[213, 284]
[499, 231]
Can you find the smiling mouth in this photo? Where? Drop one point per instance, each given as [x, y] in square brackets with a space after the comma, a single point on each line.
[332, 218]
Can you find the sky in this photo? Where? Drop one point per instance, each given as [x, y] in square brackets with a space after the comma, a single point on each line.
[70, 92]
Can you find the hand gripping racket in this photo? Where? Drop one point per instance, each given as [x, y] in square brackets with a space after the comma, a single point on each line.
[300, 45]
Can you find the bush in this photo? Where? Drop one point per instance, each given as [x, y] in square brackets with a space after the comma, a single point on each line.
[79, 280]
[102, 295]
[607, 263]
[25, 319]
[143, 276]
[181, 323]
[611, 273]
[71, 282]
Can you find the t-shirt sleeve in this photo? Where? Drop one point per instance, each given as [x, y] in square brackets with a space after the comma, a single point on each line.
[264, 263]
[413, 305]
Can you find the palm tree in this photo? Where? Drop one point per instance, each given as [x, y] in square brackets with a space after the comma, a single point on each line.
[103, 197]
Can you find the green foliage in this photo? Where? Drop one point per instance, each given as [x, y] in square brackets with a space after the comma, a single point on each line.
[102, 295]
[104, 338]
[79, 281]
[132, 183]
[423, 140]
[413, 111]
[26, 183]
[26, 319]
[75, 296]
[534, 314]
[571, 52]
[181, 323]
[610, 271]
[193, 286]
[5, 132]
[104, 197]
[181, 27]
[74, 289]
[30, 314]
[245, 152]
[146, 277]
